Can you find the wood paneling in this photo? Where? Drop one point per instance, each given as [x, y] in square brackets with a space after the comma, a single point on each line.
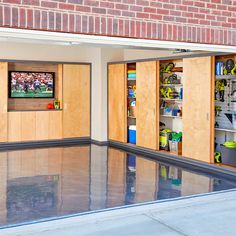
[28, 126]
[198, 108]
[22, 104]
[42, 125]
[32, 126]
[76, 99]
[116, 177]
[117, 117]
[14, 126]
[147, 118]
[3, 100]
[55, 125]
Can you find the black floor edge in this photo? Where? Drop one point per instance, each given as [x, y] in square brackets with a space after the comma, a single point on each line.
[182, 162]
[99, 143]
[44, 144]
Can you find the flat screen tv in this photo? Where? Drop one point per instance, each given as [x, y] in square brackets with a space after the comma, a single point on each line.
[23, 84]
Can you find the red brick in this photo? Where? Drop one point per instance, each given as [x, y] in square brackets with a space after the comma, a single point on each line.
[103, 25]
[132, 28]
[126, 28]
[122, 6]
[37, 19]
[97, 25]
[150, 9]
[142, 3]
[91, 24]
[14, 16]
[31, 2]
[71, 23]
[47, 4]
[22, 17]
[113, 12]
[78, 23]
[44, 17]
[128, 14]
[99, 10]
[65, 22]
[66, 6]
[51, 20]
[107, 4]
[30, 18]
[12, 1]
[142, 15]
[83, 8]
[91, 3]
[84, 24]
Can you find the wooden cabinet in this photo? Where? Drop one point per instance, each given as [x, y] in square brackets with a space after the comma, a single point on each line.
[147, 119]
[34, 125]
[3, 100]
[117, 104]
[198, 108]
[76, 101]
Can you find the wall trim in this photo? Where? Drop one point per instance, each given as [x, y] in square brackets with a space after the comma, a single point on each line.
[42, 37]
[44, 143]
[99, 143]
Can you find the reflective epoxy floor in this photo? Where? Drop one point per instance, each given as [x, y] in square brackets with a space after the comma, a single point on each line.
[41, 183]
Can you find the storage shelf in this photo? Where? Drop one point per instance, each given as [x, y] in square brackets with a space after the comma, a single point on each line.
[131, 117]
[166, 85]
[171, 100]
[172, 72]
[230, 77]
[177, 117]
[226, 130]
[35, 110]
[129, 79]
[131, 98]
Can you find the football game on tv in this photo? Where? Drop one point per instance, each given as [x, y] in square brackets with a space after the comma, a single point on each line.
[31, 84]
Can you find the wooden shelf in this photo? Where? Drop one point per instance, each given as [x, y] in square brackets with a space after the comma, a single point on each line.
[131, 98]
[172, 72]
[177, 117]
[171, 100]
[131, 117]
[131, 79]
[226, 130]
[230, 77]
[34, 110]
[167, 85]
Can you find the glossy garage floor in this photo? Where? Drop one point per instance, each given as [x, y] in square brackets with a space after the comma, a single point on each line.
[41, 183]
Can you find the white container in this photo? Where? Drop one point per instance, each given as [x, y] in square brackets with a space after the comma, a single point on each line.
[234, 120]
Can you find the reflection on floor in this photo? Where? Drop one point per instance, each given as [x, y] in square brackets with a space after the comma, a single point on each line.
[42, 183]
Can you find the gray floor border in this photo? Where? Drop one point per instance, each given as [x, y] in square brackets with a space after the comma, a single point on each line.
[182, 162]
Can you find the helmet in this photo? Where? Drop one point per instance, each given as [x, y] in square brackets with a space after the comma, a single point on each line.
[229, 65]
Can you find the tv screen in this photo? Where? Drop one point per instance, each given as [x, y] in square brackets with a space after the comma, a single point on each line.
[31, 84]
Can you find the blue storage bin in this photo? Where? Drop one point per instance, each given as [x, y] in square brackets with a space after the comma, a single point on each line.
[132, 134]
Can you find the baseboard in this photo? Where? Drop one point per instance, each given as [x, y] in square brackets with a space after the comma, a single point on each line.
[45, 143]
[99, 143]
[179, 161]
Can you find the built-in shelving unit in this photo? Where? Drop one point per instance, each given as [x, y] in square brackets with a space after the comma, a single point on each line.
[131, 100]
[171, 95]
[225, 106]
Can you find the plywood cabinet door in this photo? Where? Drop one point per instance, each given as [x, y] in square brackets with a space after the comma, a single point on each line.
[3, 100]
[198, 108]
[147, 118]
[76, 101]
[117, 120]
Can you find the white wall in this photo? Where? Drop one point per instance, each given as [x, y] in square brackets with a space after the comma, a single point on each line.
[97, 56]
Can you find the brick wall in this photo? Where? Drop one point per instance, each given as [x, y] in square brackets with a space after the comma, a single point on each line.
[202, 21]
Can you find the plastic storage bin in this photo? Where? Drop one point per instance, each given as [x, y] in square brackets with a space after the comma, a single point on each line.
[132, 134]
[175, 147]
[228, 156]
